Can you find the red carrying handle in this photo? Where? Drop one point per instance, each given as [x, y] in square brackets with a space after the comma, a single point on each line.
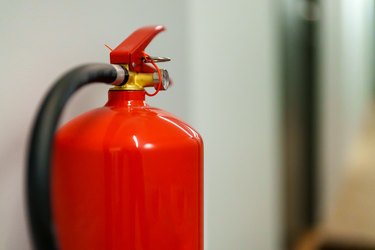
[130, 51]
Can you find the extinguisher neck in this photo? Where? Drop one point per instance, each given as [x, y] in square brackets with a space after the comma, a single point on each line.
[126, 98]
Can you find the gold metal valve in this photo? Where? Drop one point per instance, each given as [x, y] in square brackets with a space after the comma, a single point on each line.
[138, 81]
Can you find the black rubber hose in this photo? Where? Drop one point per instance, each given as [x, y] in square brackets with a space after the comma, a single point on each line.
[41, 148]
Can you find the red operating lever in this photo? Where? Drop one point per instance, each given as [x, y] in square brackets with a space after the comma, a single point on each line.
[130, 51]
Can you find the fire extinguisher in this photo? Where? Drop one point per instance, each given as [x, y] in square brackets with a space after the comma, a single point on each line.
[124, 176]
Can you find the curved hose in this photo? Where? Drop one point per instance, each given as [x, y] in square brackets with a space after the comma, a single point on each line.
[41, 146]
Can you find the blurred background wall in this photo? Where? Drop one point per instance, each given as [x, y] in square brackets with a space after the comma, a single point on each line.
[327, 79]
[224, 68]
[347, 84]
[234, 103]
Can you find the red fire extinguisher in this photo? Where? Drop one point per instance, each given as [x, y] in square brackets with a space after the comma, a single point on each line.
[124, 176]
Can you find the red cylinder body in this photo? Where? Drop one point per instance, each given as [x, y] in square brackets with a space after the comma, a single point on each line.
[128, 176]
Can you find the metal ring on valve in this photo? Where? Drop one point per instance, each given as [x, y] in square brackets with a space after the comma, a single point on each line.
[155, 59]
[122, 75]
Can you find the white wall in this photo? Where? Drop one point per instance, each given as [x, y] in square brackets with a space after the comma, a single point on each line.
[234, 100]
[224, 64]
